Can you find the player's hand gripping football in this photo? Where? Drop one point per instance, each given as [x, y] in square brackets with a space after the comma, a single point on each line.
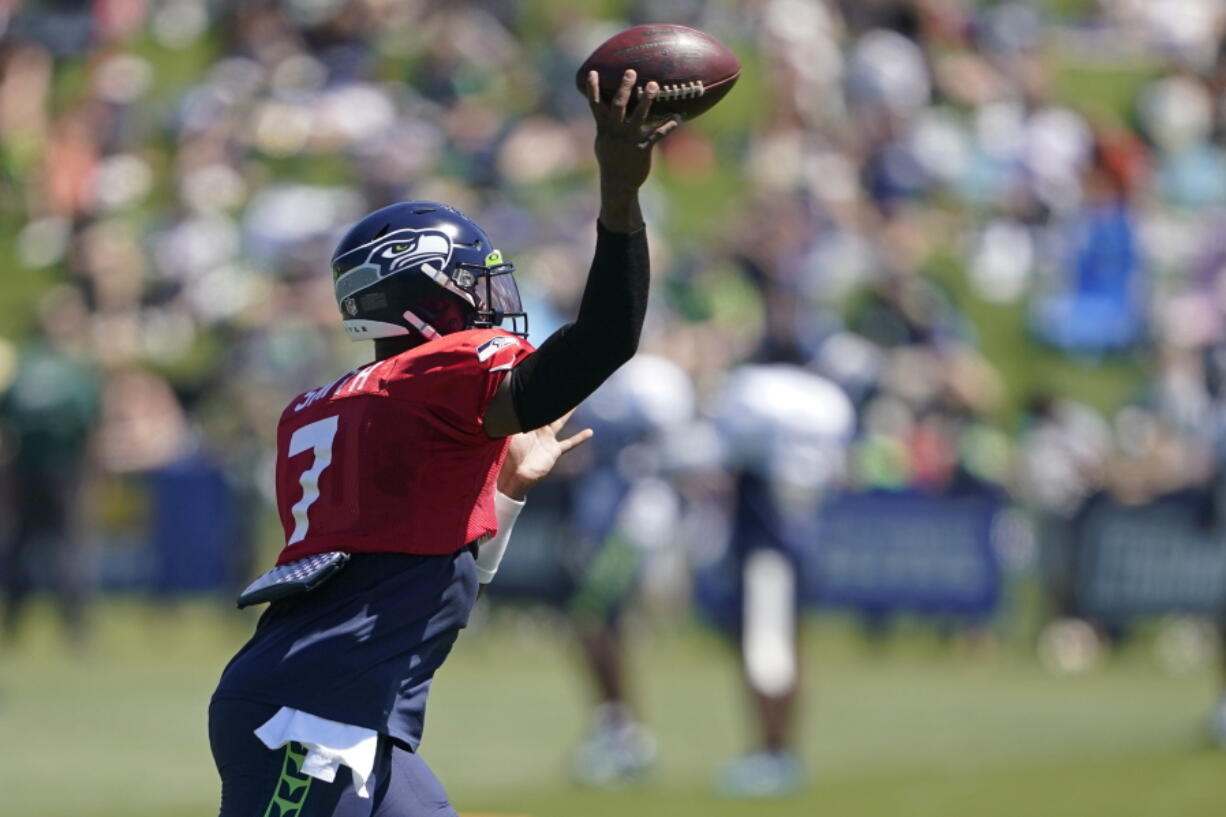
[624, 139]
[532, 455]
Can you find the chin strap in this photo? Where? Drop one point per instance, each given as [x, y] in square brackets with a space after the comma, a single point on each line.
[427, 331]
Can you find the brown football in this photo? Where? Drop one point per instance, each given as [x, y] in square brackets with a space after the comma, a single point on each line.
[693, 69]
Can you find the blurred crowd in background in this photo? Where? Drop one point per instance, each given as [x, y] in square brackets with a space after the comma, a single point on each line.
[999, 228]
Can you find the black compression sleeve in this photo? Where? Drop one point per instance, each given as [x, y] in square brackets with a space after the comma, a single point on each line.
[580, 356]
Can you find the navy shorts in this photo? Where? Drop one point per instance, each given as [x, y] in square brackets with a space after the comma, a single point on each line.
[757, 524]
[260, 782]
[363, 647]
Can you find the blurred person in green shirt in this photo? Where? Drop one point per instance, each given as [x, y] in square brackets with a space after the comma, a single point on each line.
[48, 412]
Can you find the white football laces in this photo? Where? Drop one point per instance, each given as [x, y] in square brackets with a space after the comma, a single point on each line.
[680, 90]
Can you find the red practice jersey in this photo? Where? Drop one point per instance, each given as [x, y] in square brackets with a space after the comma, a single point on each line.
[393, 457]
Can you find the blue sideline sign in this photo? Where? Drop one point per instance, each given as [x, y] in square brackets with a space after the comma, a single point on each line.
[1159, 558]
[884, 552]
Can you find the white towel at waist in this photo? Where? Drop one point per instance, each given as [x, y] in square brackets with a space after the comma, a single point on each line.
[329, 744]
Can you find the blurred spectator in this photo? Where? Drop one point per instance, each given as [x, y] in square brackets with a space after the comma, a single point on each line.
[49, 411]
[1061, 457]
[1098, 304]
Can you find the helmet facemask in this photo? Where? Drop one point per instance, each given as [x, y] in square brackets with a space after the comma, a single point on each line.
[494, 294]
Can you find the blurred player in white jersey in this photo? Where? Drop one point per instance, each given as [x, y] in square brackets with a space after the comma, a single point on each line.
[785, 432]
[621, 510]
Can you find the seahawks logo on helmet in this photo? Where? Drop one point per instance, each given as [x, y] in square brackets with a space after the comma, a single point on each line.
[426, 250]
[405, 249]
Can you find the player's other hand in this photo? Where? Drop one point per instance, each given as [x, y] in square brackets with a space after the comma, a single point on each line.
[624, 138]
[532, 455]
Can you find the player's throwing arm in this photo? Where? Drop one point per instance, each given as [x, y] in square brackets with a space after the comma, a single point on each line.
[686, 73]
[577, 358]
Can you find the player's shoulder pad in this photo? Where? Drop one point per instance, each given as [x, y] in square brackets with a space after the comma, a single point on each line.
[489, 349]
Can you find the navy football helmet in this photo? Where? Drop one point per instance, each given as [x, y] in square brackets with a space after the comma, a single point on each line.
[419, 267]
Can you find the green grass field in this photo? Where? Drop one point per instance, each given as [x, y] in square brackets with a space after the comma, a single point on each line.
[908, 729]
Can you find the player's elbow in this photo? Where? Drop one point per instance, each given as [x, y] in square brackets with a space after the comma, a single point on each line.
[620, 352]
[623, 345]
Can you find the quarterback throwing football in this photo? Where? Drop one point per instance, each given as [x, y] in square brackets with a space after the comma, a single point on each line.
[396, 492]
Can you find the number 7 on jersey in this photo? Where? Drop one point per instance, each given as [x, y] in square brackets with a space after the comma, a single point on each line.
[317, 436]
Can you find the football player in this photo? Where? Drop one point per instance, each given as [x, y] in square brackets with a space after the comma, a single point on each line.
[386, 487]
[785, 433]
[621, 510]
